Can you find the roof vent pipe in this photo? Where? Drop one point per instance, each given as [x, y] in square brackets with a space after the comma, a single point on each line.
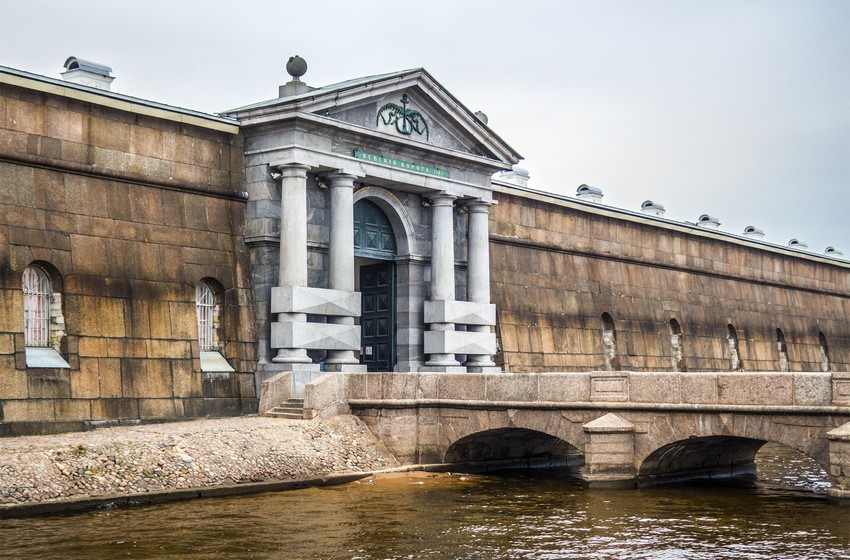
[753, 232]
[87, 73]
[708, 221]
[518, 176]
[834, 251]
[797, 244]
[586, 192]
[652, 208]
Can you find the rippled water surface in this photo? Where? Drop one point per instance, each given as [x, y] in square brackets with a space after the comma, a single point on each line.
[459, 516]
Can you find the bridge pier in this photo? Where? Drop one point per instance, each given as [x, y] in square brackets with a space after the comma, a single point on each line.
[839, 464]
[609, 452]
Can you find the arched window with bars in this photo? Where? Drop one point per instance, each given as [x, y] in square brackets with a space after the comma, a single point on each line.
[37, 296]
[44, 324]
[205, 303]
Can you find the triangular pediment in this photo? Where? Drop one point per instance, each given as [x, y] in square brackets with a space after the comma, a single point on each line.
[409, 105]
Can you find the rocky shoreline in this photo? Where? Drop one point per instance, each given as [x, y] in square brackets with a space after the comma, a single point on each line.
[163, 458]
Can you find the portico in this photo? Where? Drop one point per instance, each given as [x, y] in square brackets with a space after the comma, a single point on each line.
[411, 275]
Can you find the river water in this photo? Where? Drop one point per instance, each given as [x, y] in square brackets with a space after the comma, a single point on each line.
[534, 515]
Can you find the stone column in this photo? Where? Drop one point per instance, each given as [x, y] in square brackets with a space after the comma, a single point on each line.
[478, 272]
[442, 266]
[341, 254]
[293, 248]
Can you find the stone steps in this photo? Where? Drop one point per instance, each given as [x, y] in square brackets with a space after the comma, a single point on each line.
[292, 409]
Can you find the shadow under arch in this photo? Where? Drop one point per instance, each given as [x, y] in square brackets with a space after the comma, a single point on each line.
[395, 212]
[516, 447]
[709, 457]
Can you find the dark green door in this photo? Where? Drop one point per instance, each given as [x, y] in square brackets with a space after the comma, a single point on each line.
[377, 319]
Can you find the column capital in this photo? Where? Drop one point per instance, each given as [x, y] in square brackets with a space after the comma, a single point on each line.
[479, 205]
[441, 199]
[294, 170]
[341, 179]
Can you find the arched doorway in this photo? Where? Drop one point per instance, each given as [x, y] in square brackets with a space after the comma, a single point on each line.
[374, 262]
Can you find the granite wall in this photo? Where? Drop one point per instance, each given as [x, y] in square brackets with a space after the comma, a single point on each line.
[558, 266]
[126, 212]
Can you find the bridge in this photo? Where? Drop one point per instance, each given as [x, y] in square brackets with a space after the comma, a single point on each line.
[612, 428]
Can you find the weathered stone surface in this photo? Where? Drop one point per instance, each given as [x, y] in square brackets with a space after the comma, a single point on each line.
[555, 269]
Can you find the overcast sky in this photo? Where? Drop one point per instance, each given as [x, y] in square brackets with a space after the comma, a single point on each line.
[739, 109]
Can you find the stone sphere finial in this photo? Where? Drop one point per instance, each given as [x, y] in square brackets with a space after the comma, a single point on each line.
[296, 67]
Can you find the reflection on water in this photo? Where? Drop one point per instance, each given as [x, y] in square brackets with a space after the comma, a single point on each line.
[422, 515]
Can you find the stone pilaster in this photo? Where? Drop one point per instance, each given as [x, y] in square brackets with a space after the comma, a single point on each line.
[442, 277]
[293, 249]
[478, 276]
[341, 265]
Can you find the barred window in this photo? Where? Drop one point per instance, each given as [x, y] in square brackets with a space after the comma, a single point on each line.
[205, 302]
[37, 295]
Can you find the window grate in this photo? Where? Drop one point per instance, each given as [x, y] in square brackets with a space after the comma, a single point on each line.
[37, 293]
[205, 302]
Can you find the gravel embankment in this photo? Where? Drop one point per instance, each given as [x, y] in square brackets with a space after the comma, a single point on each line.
[195, 454]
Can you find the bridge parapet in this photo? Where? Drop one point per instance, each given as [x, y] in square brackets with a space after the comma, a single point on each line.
[655, 423]
[792, 392]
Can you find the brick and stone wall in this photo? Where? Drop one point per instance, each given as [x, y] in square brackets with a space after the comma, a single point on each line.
[558, 266]
[127, 212]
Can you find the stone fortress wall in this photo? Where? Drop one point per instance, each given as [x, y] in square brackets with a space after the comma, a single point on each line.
[559, 264]
[126, 209]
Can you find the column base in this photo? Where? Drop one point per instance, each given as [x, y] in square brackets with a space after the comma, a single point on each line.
[292, 366]
[352, 368]
[443, 369]
[483, 369]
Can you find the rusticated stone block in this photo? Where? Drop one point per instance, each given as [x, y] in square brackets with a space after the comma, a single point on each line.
[13, 382]
[564, 387]
[755, 388]
[511, 387]
[698, 388]
[85, 382]
[114, 409]
[219, 385]
[462, 386]
[49, 383]
[813, 389]
[73, 409]
[109, 374]
[30, 410]
[158, 409]
[93, 346]
[146, 378]
[654, 387]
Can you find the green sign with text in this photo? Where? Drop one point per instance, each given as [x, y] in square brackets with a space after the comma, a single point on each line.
[401, 164]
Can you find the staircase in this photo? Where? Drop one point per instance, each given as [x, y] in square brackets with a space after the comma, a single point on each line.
[292, 409]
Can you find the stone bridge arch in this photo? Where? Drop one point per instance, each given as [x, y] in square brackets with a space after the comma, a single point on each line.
[689, 445]
[486, 435]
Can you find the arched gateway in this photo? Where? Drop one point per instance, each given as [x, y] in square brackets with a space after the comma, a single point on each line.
[344, 170]
[374, 264]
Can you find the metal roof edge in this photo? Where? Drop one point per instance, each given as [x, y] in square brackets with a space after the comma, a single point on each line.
[665, 223]
[118, 101]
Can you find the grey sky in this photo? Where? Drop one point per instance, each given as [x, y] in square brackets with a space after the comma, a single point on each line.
[740, 109]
